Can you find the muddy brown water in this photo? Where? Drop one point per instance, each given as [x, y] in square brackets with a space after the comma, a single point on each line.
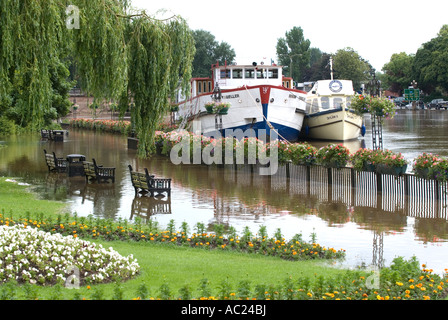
[241, 198]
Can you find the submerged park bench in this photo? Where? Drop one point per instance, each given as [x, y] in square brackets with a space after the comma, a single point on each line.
[54, 163]
[98, 173]
[53, 135]
[146, 183]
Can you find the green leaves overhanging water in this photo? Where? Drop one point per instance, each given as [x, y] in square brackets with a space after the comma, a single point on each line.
[120, 54]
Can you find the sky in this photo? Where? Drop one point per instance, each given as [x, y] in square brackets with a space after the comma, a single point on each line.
[374, 29]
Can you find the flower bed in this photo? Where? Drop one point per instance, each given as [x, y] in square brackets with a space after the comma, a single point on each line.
[112, 126]
[403, 280]
[29, 255]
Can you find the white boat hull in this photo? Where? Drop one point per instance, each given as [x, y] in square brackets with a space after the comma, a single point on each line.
[258, 107]
[334, 125]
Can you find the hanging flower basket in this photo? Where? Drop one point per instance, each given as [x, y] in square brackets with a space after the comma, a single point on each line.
[217, 107]
[424, 165]
[333, 156]
[363, 160]
[210, 107]
[223, 110]
[388, 162]
[392, 170]
[380, 107]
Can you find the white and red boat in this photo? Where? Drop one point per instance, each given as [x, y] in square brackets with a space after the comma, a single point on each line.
[260, 97]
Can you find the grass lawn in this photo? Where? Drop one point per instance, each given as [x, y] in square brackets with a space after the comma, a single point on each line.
[168, 264]
[16, 199]
[168, 271]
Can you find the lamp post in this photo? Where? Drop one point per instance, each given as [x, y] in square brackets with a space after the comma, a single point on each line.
[374, 84]
[377, 128]
[414, 103]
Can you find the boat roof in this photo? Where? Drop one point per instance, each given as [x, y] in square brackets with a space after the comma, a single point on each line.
[332, 87]
[238, 66]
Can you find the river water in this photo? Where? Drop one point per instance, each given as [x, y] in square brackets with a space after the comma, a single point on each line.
[240, 198]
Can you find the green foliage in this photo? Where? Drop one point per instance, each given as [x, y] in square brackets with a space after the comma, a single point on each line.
[7, 127]
[208, 52]
[156, 67]
[294, 51]
[349, 65]
[118, 55]
[431, 64]
[398, 72]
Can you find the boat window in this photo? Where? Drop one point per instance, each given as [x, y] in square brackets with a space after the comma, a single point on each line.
[225, 74]
[325, 101]
[209, 86]
[309, 102]
[349, 101]
[261, 73]
[273, 73]
[249, 73]
[199, 86]
[337, 103]
[315, 106]
[237, 74]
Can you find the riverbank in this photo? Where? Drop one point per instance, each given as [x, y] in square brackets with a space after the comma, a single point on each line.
[181, 272]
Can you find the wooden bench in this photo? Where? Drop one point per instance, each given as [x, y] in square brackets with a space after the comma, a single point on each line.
[54, 163]
[146, 183]
[89, 171]
[98, 173]
[44, 133]
[56, 135]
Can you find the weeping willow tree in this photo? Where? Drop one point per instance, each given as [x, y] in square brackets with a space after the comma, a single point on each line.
[120, 54]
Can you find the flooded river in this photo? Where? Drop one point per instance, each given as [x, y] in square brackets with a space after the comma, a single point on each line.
[240, 198]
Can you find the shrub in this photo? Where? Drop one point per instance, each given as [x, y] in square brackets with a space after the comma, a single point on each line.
[7, 127]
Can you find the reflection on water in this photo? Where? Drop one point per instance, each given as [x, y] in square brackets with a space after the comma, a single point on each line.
[373, 228]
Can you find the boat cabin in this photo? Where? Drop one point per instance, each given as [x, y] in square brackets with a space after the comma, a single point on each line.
[329, 94]
[235, 76]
